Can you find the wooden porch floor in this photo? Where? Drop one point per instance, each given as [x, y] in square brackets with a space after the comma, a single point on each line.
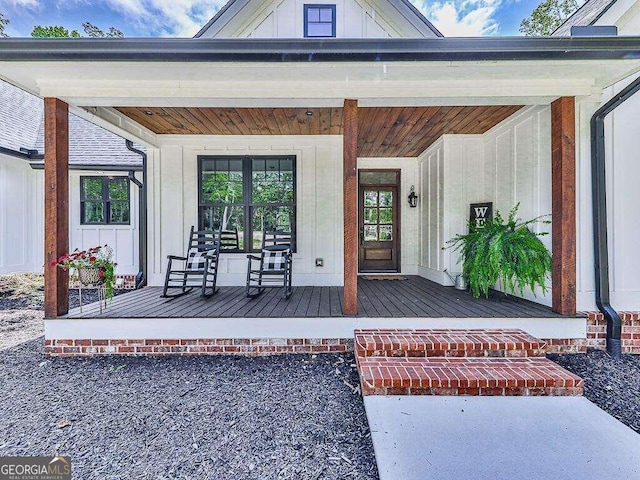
[414, 297]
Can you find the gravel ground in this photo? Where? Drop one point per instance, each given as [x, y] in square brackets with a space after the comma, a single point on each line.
[613, 385]
[218, 417]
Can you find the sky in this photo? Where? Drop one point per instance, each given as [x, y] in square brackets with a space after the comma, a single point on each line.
[183, 18]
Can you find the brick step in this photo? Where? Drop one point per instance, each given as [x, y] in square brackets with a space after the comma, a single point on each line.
[447, 343]
[465, 376]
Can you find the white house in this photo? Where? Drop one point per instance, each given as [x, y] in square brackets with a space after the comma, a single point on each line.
[95, 156]
[622, 168]
[339, 98]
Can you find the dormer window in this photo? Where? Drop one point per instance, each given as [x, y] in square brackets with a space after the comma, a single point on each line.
[320, 21]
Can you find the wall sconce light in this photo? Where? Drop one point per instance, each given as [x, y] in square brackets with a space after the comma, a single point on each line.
[413, 198]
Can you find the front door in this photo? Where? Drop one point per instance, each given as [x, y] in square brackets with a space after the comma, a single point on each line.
[378, 212]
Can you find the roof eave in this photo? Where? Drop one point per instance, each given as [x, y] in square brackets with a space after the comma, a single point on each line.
[334, 50]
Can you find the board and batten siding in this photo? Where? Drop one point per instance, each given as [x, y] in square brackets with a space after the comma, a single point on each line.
[510, 163]
[22, 221]
[173, 189]
[21, 217]
[285, 19]
[622, 130]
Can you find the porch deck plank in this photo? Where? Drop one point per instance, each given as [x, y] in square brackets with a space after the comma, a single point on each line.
[335, 306]
[378, 307]
[313, 308]
[325, 304]
[414, 297]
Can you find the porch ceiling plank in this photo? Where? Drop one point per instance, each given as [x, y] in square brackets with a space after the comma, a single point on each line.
[269, 118]
[367, 139]
[263, 118]
[253, 125]
[467, 119]
[161, 119]
[418, 117]
[424, 122]
[383, 136]
[383, 131]
[281, 120]
[336, 121]
[173, 118]
[210, 122]
[303, 122]
[436, 126]
[194, 124]
[396, 124]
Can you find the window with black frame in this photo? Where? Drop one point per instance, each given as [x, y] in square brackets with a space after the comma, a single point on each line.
[104, 201]
[247, 195]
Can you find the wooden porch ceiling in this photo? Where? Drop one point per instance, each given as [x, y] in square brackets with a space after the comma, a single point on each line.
[383, 131]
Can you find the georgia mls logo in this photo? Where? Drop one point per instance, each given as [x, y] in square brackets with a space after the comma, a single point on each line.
[35, 468]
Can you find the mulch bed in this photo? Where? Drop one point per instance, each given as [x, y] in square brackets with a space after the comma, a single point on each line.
[613, 385]
[278, 417]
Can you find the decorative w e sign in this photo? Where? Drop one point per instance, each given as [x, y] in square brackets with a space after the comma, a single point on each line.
[480, 213]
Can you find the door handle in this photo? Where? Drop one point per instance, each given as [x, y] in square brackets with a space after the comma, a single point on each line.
[361, 236]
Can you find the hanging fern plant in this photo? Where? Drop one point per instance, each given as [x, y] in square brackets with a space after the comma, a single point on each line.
[504, 251]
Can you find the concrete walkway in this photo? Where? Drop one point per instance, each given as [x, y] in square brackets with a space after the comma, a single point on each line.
[503, 438]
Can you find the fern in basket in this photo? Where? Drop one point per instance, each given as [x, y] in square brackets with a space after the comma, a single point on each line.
[503, 251]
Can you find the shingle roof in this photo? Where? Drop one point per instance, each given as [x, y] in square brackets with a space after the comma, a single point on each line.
[22, 125]
[21, 115]
[587, 14]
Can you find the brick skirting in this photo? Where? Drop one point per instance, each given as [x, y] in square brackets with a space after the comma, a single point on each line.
[597, 331]
[200, 346]
[597, 335]
[596, 338]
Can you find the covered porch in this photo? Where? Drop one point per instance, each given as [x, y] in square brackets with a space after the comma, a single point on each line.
[405, 296]
[338, 109]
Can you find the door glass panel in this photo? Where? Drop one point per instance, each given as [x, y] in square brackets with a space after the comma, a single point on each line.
[386, 233]
[386, 199]
[370, 233]
[385, 215]
[370, 198]
[370, 215]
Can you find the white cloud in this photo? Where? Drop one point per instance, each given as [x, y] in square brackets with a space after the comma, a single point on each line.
[24, 3]
[462, 18]
[181, 18]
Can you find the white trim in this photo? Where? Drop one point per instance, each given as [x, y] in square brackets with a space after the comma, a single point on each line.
[118, 123]
[331, 327]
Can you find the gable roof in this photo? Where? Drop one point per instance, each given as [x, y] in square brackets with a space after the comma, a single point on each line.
[587, 14]
[405, 7]
[22, 126]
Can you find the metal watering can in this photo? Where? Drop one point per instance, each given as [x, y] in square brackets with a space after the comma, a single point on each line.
[458, 280]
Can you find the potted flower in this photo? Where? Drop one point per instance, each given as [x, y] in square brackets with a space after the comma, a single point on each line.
[94, 266]
[508, 252]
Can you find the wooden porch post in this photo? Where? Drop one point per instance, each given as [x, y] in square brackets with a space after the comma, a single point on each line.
[56, 205]
[563, 205]
[350, 162]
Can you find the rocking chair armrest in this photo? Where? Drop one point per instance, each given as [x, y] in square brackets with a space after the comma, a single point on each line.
[253, 257]
[175, 257]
